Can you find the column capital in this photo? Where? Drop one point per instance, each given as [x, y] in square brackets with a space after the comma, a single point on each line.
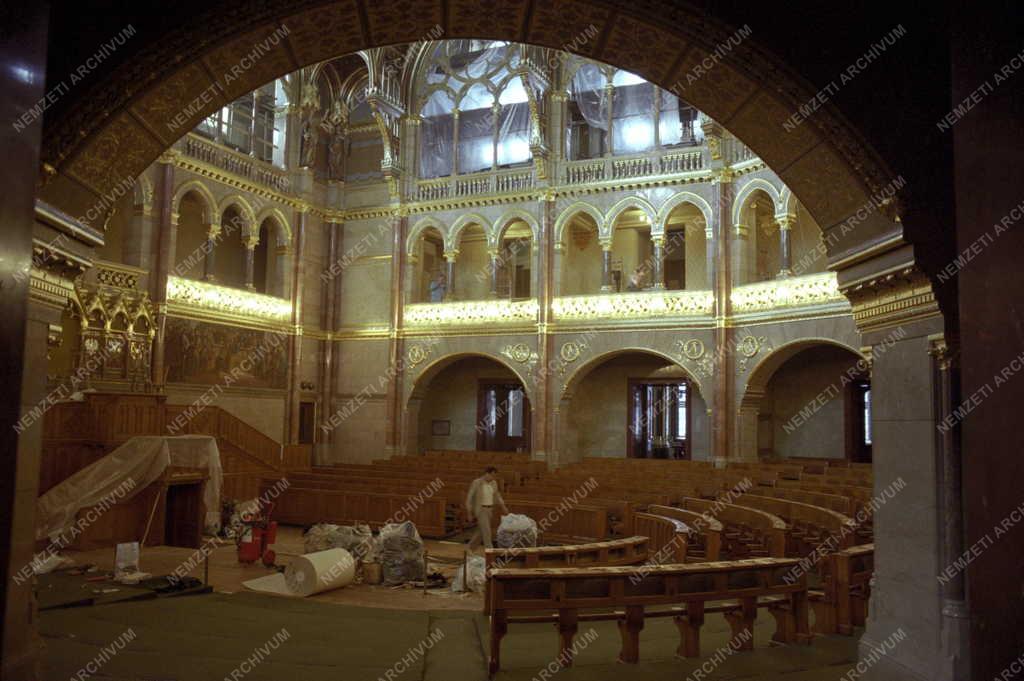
[741, 230]
[785, 221]
[451, 255]
[606, 243]
[174, 218]
[658, 239]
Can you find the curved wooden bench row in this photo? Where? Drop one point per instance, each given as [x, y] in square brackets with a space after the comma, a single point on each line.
[835, 502]
[747, 531]
[628, 551]
[619, 511]
[558, 520]
[669, 537]
[705, 541]
[307, 506]
[842, 603]
[622, 594]
[809, 526]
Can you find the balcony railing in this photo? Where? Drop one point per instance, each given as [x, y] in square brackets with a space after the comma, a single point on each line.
[807, 290]
[638, 165]
[234, 162]
[641, 305]
[471, 313]
[509, 181]
[230, 303]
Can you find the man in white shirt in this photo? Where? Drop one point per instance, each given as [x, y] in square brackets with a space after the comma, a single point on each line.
[482, 496]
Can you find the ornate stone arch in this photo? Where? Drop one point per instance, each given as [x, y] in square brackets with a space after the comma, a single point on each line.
[243, 207]
[629, 202]
[142, 194]
[677, 200]
[417, 231]
[422, 379]
[284, 230]
[455, 233]
[502, 223]
[211, 215]
[568, 213]
[578, 373]
[761, 373]
[739, 203]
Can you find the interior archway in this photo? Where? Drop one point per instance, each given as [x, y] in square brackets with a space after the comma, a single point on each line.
[468, 402]
[595, 416]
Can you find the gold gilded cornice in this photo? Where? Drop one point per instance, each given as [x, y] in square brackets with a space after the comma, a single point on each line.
[892, 299]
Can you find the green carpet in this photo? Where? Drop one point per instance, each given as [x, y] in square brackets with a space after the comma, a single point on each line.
[206, 638]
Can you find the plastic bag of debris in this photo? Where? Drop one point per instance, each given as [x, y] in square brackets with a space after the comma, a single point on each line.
[477, 569]
[401, 553]
[356, 539]
[517, 531]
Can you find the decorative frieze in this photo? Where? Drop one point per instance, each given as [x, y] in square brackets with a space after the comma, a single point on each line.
[225, 304]
[634, 306]
[812, 289]
[471, 313]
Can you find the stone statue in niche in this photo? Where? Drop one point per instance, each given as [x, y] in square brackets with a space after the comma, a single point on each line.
[307, 156]
[336, 155]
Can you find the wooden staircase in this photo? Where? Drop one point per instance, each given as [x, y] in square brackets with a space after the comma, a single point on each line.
[75, 434]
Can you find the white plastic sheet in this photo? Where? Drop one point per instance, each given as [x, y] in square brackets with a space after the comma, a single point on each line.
[125, 472]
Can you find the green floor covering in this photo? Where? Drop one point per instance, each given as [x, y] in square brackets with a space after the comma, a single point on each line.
[204, 638]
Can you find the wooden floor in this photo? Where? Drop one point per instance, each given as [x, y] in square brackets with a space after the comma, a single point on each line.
[227, 574]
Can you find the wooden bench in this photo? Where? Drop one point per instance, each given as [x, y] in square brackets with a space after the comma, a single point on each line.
[557, 595]
[558, 520]
[809, 526]
[669, 537]
[842, 604]
[307, 506]
[705, 541]
[628, 551]
[747, 531]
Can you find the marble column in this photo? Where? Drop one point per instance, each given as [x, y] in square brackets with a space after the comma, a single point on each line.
[210, 249]
[955, 614]
[606, 266]
[449, 290]
[250, 264]
[785, 223]
[743, 262]
[722, 421]
[495, 267]
[166, 246]
[295, 344]
[658, 282]
[394, 408]
[541, 420]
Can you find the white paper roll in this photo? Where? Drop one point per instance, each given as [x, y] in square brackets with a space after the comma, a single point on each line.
[321, 571]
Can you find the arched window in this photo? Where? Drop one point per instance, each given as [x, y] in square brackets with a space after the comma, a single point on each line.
[616, 111]
[475, 109]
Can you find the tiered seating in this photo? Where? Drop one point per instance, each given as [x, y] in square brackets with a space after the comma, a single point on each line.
[748, 532]
[705, 540]
[668, 536]
[846, 587]
[739, 588]
[808, 526]
[628, 551]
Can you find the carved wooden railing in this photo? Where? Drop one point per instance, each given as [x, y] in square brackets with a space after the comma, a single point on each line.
[76, 434]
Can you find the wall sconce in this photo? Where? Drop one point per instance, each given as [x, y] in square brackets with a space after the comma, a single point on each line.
[306, 385]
